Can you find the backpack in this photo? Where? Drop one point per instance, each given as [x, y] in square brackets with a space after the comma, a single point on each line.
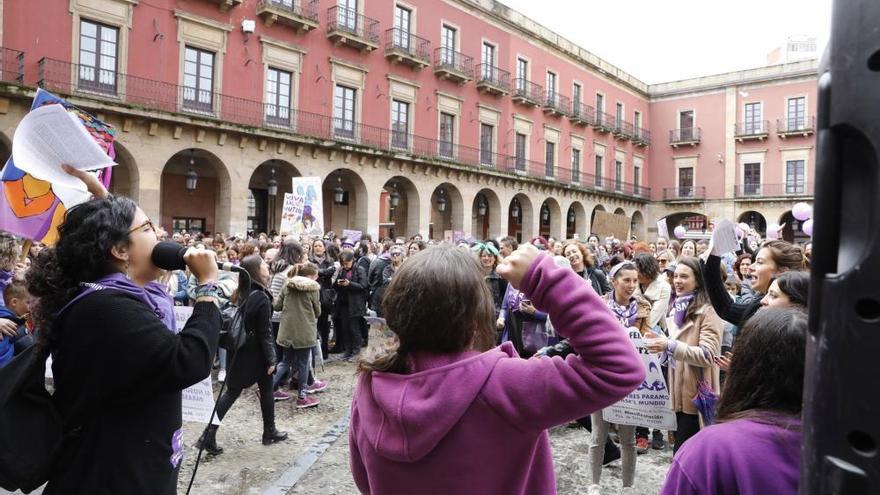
[233, 334]
[31, 428]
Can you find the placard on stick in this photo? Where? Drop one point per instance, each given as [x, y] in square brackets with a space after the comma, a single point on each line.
[609, 224]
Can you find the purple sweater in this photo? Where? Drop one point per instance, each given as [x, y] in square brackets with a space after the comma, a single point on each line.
[475, 422]
[742, 457]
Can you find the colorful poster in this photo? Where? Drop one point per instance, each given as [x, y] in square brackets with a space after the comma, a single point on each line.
[287, 214]
[649, 405]
[352, 235]
[308, 207]
[33, 208]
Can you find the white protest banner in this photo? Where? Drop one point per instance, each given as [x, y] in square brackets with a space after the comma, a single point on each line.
[308, 210]
[287, 215]
[724, 238]
[649, 405]
[352, 235]
[198, 400]
[662, 229]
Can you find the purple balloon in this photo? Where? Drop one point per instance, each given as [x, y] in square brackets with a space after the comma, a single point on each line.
[680, 231]
[807, 227]
[802, 211]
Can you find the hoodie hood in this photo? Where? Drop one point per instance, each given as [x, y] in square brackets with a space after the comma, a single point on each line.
[406, 416]
[304, 284]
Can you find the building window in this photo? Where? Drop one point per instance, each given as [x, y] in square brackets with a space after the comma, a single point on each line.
[686, 182]
[751, 179]
[599, 170]
[344, 100]
[488, 61]
[575, 165]
[637, 120]
[520, 151]
[753, 123]
[97, 57]
[198, 79]
[551, 87]
[550, 160]
[576, 95]
[600, 102]
[487, 137]
[399, 124]
[348, 15]
[637, 180]
[278, 96]
[794, 177]
[796, 113]
[618, 175]
[447, 45]
[522, 74]
[402, 18]
[191, 225]
[447, 133]
[686, 125]
[618, 117]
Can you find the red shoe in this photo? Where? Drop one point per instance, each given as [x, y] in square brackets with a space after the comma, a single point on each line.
[307, 402]
[318, 386]
[279, 396]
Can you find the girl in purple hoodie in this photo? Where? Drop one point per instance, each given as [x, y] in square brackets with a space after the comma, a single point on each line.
[440, 411]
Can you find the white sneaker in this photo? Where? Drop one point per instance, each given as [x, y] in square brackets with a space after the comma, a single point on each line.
[221, 375]
[594, 490]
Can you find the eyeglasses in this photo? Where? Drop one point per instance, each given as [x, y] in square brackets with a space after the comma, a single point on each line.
[396, 254]
[662, 261]
[148, 223]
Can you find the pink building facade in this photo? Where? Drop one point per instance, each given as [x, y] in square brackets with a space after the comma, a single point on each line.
[420, 117]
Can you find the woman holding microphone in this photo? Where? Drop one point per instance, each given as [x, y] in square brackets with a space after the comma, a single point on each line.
[118, 369]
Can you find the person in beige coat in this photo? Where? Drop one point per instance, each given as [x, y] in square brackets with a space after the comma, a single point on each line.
[299, 303]
[695, 332]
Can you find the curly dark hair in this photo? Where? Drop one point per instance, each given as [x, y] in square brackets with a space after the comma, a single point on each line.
[647, 265]
[82, 254]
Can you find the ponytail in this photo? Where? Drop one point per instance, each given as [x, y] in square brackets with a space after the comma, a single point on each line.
[786, 255]
[304, 269]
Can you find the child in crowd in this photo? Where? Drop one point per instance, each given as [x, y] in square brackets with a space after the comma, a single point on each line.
[300, 305]
[17, 300]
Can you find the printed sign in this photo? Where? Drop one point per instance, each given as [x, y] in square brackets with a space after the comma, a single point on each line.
[649, 405]
[198, 400]
[352, 235]
[287, 214]
[308, 207]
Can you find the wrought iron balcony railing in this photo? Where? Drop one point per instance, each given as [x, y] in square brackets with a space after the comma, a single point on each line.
[752, 129]
[493, 78]
[800, 125]
[759, 191]
[684, 193]
[582, 114]
[11, 66]
[344, 21]
[685, 135]
[401, 42]
[527, 92]
[453, 64]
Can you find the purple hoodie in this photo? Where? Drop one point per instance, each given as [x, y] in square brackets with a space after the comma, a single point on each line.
[475, 422]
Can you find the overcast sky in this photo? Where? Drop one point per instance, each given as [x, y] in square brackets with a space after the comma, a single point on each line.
[665, 40]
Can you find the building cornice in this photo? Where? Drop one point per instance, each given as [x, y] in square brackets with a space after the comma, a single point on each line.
[806, 70]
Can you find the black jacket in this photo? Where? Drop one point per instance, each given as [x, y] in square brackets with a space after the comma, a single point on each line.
[598, 280]
[351, 300]
[258, 352]
[326, 269]
[118, 375]
[729, 311]
[498, 287]
[376, 286]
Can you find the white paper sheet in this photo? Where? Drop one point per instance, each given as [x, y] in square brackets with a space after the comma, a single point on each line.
[724, 238]
[662, 229]
[48, 137]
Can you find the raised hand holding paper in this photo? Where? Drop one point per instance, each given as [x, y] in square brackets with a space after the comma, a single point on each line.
[724, 238]
[48, 137]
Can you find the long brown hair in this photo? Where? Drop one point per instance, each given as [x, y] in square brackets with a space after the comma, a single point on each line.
[437, 302]
[701, 297]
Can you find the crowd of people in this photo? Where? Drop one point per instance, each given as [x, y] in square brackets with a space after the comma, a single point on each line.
[532, 334]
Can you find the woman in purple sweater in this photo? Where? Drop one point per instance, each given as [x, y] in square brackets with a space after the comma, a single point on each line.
[755, 447]
[440, 412]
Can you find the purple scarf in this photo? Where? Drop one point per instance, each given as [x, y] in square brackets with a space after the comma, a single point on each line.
[154, 295]
[626, 315]
[680, 306]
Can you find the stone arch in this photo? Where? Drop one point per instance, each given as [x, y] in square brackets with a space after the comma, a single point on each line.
[620, 211]
[593, 215]
[793, 230]
[264, 210]
[448, 197]
[637, 226]
[550, 220]
[696, 224]
[487, 225]
[402, 219]
[208, 207]
[576, 221]
[125, 178]
[520, 216]
[345, 201]
[755, 220]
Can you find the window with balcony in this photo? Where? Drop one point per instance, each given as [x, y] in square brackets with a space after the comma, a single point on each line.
[637, 180]
[487, 138]
[576, 96]
[575, 165]
[344, 100]
[447, 134]
[550, 160]
[796, 113]
[618, 115]
[600, 102]
[637, 120]
[600, 170]
[520, 151]
[686, 125]
[751, 179]
[551, 87]
[488, 61]
[278, 96]
[198, 79]
[618, 175]
[686, 182]
[752, 123]
[402, 19]
[98, 46]
[795, 180]
[348, 10]
[399, 124]
[448, 44]
[522, 74]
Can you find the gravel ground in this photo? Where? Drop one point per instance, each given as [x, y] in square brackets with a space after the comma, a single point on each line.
[248, 467]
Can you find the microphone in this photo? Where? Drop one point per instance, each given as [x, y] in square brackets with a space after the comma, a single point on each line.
[169, 256]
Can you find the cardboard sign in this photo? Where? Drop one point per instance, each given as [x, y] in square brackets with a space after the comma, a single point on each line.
[649, 405]
[608, 224]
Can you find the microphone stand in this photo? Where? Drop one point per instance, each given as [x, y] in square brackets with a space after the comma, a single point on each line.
[244, 290]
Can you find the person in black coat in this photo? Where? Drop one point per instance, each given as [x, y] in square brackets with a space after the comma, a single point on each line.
[326, 269]
[255, 361]
[351, 302]
[119, 367]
